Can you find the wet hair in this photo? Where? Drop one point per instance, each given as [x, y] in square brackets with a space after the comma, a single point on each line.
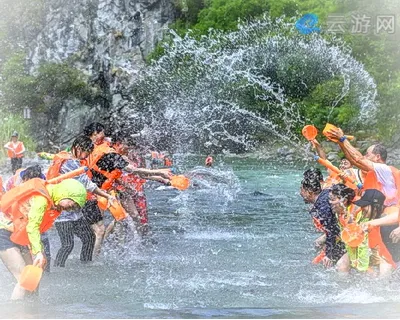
[343, 192]
[376, 210]
[313, 173]
[31, 172]
[381, 150]
[117, 137]
[311, 184]
[84, 143]
[92, 128]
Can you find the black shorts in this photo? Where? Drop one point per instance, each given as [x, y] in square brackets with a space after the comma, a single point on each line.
[394, 248]
[5, 242]
[91, 212]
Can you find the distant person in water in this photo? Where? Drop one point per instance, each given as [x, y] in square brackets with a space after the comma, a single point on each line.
[15, 151]
[209, 161]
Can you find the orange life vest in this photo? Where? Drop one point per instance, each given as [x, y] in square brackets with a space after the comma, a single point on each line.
[98, 152]
[371, 182]
[18, 148]
[55, 167]
[167, 162]
[14, 205]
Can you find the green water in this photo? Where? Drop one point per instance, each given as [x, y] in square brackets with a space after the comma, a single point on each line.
[238, 249]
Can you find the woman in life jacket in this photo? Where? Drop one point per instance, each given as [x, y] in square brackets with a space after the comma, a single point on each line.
[15, 151]
[23, 175]
[29, 210]
[340, 198]
[87, 224]
[372, 205]
[96, 132]
[323, 218]
[130, 186]
[388, 224]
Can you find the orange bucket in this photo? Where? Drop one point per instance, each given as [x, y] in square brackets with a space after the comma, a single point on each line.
[309, 132]
[30, 277]
[102, 203]
[180, 182]
[352, 235]
[328, 127]
[326, 133]
[119, 212]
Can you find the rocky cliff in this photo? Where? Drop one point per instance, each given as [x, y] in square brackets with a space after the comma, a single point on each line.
[108, 40]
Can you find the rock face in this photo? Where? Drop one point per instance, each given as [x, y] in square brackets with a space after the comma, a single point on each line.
[108, 40]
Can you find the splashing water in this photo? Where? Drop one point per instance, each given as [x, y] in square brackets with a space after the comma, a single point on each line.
[203, 93]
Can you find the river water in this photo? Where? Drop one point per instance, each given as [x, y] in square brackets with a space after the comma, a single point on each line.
[237, 245]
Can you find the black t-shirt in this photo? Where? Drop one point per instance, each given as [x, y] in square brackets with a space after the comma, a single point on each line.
[108, 162]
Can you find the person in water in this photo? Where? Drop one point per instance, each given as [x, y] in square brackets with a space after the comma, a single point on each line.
[21, 176]
[96, 132]
[29, 210]
[130, 186]
[379, 175]
[345, 166]
[209, 161]
[15, 151]
[71, 223]
[340, 198]
[324, 220]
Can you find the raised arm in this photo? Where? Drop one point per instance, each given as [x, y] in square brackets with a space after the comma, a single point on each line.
[351, 153]
[320, 151]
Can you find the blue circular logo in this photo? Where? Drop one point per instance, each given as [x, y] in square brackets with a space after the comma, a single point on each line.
[306, 24]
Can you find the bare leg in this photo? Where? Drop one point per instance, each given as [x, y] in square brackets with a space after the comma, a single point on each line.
[15, 262]
[99, 230]
[109, 229]
[130, 207]
[343, 265]
[385, 269]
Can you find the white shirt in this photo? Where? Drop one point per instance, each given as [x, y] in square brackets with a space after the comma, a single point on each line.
[385, 177]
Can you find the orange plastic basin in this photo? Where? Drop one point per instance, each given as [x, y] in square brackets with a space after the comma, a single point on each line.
[309, 132]
[119, 212]
[180, 182]
[352, 235]
[102, 203]
[30, 277]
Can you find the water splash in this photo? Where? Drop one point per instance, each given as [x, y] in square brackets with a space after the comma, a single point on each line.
[217, 92]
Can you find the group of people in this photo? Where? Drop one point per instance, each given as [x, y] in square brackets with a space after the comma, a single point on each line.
[357, 210]
[32, 202]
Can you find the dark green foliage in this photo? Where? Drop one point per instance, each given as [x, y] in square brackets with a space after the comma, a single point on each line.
[46, 89]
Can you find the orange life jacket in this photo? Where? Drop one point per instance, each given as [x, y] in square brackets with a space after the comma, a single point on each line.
[98, 152]
[18, 148]
[14, 205]
[167, 162]
[371, 182]
[55, 167]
